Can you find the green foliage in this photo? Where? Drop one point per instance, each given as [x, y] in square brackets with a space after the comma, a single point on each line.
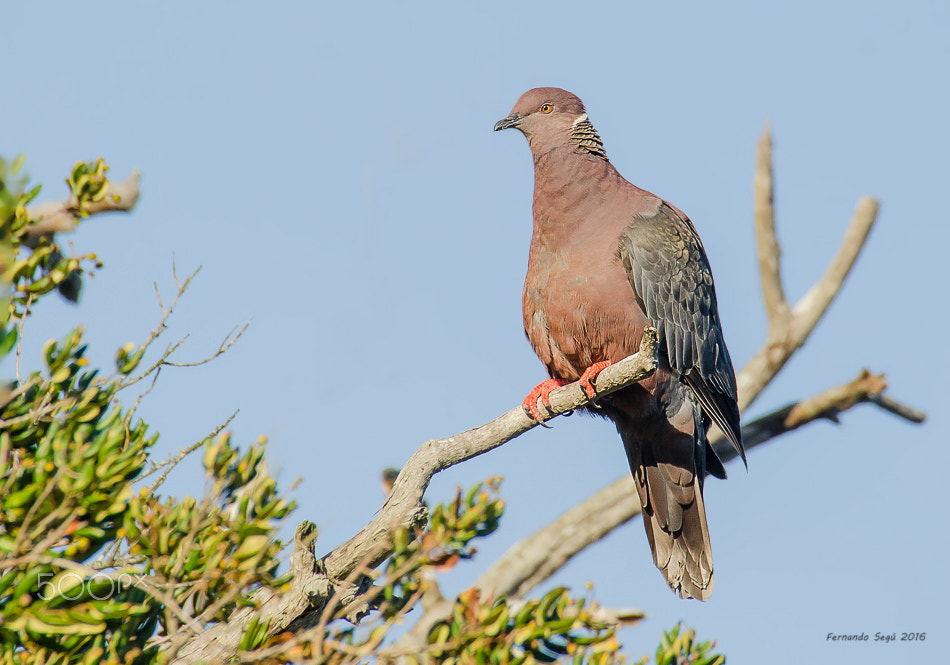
[45, 267]
[538, 631]
[67, 459]
[409, 574]
[69, 456]
[556, 627]
[447, 539]
[91, 569]
[205, 551]
[88, 184]
[681, 648]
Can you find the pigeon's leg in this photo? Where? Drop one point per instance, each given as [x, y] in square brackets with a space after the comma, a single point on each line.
[590, 374]
[542, 390]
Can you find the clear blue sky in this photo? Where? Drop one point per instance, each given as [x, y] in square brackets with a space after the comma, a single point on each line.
[332, 167]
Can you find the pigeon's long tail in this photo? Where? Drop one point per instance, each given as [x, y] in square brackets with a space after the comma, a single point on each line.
[668, 465]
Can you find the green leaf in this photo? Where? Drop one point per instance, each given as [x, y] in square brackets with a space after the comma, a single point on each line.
[37, 625]
[21, 497]
[17, 163]
[8, 338]
[250, 546]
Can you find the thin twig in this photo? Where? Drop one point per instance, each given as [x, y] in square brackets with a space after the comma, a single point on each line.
[329, 610]
[52, 539]
[24, 531]
[161, 327]
[33, 416]
[898, 409]
[173, 461]
[19, 340]
[158, 295]
[224, 346]
[138, 399]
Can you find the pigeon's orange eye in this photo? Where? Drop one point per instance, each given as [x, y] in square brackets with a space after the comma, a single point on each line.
[546, 108]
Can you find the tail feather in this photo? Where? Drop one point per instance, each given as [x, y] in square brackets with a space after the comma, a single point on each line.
[668, 464]
[678, 533]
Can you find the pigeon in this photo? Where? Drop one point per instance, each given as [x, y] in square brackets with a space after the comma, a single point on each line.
[608, 259]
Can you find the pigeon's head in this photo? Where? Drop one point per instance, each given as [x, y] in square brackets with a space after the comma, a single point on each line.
[545, 115]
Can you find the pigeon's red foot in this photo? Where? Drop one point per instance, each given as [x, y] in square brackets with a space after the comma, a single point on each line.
[542, 390]
[590, 374]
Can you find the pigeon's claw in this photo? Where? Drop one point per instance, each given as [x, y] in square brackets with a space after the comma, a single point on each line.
[590, 375]
[542, 390]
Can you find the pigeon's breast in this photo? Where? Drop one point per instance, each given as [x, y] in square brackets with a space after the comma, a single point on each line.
[578, 305]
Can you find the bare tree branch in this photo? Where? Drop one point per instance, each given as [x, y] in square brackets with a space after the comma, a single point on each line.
[788, 333]
[299, 607]
[403, 506]
[824, 405]
[315, 582]
[533, 560]
[769, 249]
[809, 310]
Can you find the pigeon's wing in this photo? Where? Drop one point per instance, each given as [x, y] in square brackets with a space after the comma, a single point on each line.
[669, 271]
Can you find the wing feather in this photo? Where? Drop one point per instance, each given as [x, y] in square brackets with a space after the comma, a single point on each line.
[668, 269]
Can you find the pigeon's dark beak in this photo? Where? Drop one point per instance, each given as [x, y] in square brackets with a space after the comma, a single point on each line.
[511, 121]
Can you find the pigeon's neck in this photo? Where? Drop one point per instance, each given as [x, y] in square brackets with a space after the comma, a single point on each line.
[566, 180]
[586, 137]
